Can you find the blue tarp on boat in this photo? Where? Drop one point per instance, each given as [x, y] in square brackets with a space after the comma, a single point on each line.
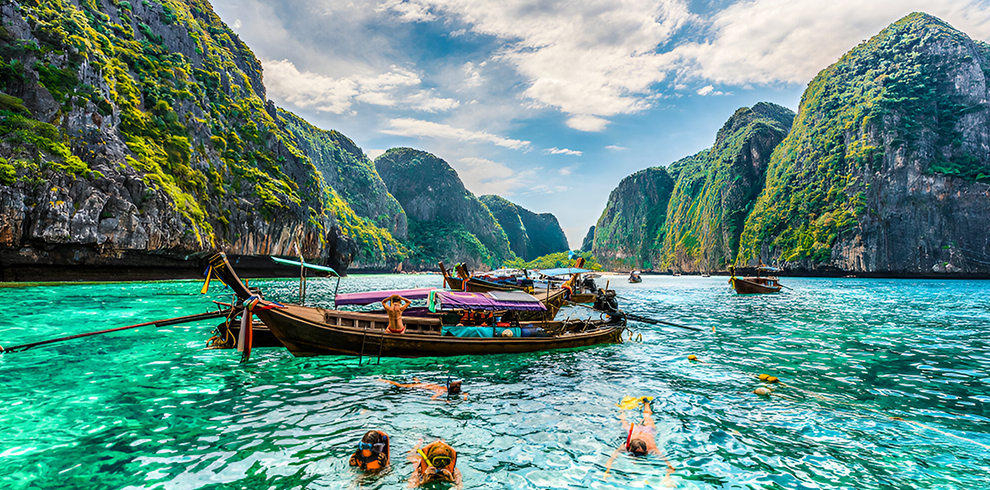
[562, 271]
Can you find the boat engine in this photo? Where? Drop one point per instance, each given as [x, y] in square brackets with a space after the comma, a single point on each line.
[606, 301]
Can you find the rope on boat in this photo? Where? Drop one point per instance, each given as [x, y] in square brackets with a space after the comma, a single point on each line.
[634, 317]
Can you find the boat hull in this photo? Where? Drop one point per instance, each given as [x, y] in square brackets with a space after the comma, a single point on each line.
[304, 338]
[750, 286]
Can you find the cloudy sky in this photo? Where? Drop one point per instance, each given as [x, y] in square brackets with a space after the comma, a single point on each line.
[549, 103]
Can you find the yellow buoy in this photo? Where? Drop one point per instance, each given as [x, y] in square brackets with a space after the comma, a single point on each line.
[771, 379]
[692, 357]
[763, 377]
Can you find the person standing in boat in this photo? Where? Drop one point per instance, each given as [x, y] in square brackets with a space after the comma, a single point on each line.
[435, 462]
[640, 439]
[372, 454]
[394, 305]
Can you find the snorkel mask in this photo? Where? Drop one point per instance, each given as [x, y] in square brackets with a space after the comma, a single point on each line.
[377, 448]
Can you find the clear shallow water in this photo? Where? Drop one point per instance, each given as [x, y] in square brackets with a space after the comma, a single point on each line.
[150, 408]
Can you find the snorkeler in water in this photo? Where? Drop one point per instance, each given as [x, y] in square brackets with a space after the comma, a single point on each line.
[373, 452]
[453, 388]
[435, 462]
[640, 440]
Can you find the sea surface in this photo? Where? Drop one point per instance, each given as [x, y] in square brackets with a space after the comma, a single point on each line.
[885, 385]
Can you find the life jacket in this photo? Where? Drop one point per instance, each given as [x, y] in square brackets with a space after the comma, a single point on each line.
[438, 452]
[374, 462]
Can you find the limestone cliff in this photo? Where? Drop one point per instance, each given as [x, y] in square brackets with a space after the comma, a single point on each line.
[446, 221]
[715, 190]
[530, 235]
[137, 133]
[589, 240]
[630, 230]
[887, 167]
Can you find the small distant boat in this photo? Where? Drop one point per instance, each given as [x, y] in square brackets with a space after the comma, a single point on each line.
[758, 284]
[634, 277]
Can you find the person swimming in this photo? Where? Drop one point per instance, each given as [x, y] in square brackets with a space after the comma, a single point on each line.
[452, 387]
[373, 451]
[435, 462]
[640, 439]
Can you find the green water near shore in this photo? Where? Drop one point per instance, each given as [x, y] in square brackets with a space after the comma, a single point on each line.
[151, 408]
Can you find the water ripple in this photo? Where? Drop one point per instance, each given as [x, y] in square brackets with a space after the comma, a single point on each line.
[150, 408]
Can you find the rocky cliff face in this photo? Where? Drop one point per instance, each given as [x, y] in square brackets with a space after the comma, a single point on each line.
[446, 221]
[630, 230]
[887, 168]
[589, 240]
[530, 235]
[137, 133]
[715, 190]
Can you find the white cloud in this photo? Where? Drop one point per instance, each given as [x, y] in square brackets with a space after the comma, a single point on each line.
[546, 189]
[587, 123]
[425, 101]
[591, 60]
[426, 129]
[408, 11]
[561, 151]
[373, 154]
[483, 176]
[473, 75]
[237, 24]
[337, 95]
[615, 148]
[565, 171]
[773, 41]
[708, 90]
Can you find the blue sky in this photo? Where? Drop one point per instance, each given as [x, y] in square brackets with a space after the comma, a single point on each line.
[550, 104]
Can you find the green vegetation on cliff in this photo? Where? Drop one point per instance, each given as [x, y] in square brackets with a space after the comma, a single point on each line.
[530, 235]
[446, 221]
[554, 261]
[166, 89]
[892, 98]
[630, 230]
[714, 190]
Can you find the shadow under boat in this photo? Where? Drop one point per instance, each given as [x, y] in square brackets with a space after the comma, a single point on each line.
[311, 331]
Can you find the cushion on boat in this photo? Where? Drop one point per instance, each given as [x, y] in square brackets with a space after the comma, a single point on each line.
[484, 331]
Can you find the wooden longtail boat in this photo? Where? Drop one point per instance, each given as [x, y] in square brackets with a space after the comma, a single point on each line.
[308, 331]
[755, 285]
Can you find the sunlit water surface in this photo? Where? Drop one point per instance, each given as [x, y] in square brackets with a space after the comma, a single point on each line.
[151, 408]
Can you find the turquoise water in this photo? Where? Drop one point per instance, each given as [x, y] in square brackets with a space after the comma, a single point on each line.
[151, 408]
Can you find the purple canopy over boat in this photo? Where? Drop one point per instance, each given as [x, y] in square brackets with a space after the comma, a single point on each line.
[370, 297]
[491, 301]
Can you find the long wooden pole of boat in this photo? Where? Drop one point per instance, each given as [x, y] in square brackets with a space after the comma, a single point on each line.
[335, 289]
[302, 279]
[643, 319]
[157, 323]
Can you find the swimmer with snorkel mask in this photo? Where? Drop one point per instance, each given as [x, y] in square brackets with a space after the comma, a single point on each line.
[434, 463]
[452, 388]
[640, 438]
[373, 452]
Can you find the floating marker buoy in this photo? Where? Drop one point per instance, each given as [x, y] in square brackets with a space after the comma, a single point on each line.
[692, 357]
[763, 377]
[763, 391]
[771, 379]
